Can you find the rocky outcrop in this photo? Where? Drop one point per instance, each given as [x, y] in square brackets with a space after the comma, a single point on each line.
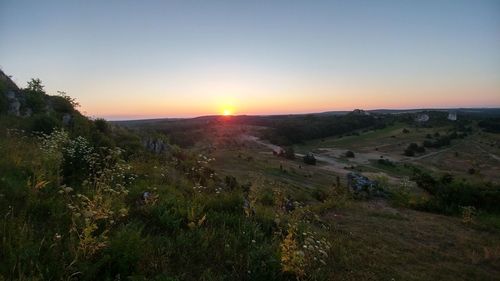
[14, 101]
[66, 119]
[361, 185]
[155, 145]
[14, 104]
[12, 95]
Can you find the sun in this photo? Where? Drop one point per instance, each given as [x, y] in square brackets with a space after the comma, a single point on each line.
[226, 112]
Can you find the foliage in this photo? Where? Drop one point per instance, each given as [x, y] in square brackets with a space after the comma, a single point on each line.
[412, 149]
[349, 154]
[289, 153]
[35, 96]
[73, 103]
[84, 214]
[491, 125]
[309, 159]
[449, 195]
[43, 123]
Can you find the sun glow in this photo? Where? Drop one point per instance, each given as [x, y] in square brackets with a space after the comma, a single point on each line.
[226, 112]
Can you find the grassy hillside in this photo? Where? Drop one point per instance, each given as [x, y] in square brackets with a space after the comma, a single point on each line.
[90, 200]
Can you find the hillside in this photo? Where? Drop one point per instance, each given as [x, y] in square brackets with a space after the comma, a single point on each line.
[236, 198]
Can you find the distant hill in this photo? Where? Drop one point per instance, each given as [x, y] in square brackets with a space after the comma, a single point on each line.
[486, 112]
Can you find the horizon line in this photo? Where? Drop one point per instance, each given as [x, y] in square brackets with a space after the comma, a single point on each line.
[118, 119]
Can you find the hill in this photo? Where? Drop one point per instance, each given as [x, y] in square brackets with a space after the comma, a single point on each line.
[239, 197]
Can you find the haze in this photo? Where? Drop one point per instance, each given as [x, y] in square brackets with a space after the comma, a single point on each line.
[148, 59]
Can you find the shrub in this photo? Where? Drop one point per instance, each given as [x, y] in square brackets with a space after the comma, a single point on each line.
[101, 125]
[309, 159]
[449, 195]
[412, 149]
[349, 154]
[409, 152]
[126, 248]
[34, 101]
[61, 105]
[289, 153]
[44, 124]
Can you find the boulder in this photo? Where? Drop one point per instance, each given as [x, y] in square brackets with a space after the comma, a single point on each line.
[360, 184]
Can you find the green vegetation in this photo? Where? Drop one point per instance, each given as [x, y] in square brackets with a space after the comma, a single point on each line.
[413, 149]
[87, 199]
[449, 195]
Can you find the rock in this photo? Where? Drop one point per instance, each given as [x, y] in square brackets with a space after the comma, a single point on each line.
[155, 145]
[422, 118]
[28, 112]
[14, 107]
[11, 95]
[66, 119]
[14, 103]
[358, 184]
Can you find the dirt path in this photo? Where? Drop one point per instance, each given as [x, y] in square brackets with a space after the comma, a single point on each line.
[331, 162]
[487, 152]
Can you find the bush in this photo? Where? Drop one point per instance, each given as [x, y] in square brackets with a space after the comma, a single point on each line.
[409, 152]
[349, 154]
[125, 251]
[61, 105]
[101, 125]
[44, 124]
[34, 101]
[449, 196]
[289, 153]
[412, 149]
[309, 159]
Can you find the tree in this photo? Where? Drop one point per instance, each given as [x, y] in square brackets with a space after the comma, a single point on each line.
[35, 86]
[101, 125]
[35, 95]
[69, 99]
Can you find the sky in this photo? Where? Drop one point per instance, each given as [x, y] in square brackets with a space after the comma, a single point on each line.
[150, 59]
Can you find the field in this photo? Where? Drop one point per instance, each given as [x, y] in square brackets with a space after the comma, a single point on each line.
[377, 239]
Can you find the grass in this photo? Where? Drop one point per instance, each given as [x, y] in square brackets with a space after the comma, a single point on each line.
[376, 242]
[195, 226]
[192, 226]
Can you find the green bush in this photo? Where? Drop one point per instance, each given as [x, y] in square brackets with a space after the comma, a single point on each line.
[61, 105]
[44, 123]
[349, 154]
[125, 250]
[448, 195]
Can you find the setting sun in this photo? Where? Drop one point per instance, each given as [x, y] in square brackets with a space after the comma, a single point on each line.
[226, 112]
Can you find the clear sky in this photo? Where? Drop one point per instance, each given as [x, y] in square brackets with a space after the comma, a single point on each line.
[145, 59]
